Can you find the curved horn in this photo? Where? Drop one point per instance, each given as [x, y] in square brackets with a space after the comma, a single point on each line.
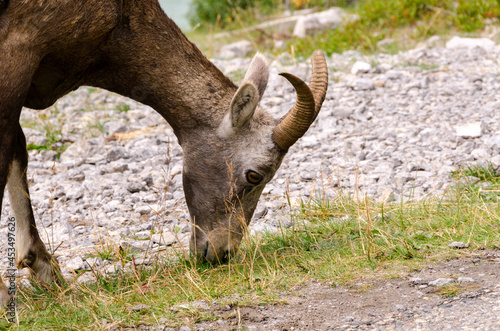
[309, 100]
[319, 80]
[298, 119]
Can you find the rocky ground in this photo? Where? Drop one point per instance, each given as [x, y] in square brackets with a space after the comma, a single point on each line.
[460, 294]
[391, 127]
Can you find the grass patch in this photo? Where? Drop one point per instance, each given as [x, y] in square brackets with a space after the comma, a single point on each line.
[53, 140]
[406, 22]
[123, 108]
[398, 24]
[339, 241]
[481, 182]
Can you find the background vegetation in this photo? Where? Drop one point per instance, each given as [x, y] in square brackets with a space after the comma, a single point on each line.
[405, 21]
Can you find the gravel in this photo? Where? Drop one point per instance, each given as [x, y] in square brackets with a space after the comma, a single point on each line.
[392, 127]
[471, 302]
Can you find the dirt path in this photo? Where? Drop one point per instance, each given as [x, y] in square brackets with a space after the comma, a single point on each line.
[409, 303]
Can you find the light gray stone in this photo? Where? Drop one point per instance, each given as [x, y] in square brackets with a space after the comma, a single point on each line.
[361, 84]
[441, 282]
[471, 130]
[360, 67]
[458, 244]
[312, 23]
[460, 43]
[143, 235]
[465, 280]
[164, 238]
[495, 162]
[240, 48]
[139, 307]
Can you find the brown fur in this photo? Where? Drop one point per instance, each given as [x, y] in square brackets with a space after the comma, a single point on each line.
[51, 47]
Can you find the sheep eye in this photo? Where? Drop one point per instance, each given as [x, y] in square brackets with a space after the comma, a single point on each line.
[253, 177]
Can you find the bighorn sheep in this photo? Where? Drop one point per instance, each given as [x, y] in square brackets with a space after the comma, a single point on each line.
[48, 48]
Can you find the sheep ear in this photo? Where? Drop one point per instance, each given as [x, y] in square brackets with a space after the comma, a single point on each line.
[247, 96]
[243, 105]
[258, 73]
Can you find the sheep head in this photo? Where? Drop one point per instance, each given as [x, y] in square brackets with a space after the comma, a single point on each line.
[227, 168]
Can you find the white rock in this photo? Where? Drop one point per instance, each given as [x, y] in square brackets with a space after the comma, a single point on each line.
[495, 162]
[143, 235]
[459, 42]
[394, 74]
[76, 263]
[312, 23]
[465, 280]
[77, 152]
[143, 210]
[306, 25]
[441, 282]
[361, 84]
[480, 154]
[471, 130]
[458, 244]
[240, 48]
[360, 67]
[112, 269]
[74, 193]
[165, 238]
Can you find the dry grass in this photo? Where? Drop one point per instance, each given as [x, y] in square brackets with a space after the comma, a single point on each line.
[343, 240]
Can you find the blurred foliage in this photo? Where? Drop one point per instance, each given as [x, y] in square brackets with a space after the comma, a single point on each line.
[472, 13]
[227, 13]
[404, 21]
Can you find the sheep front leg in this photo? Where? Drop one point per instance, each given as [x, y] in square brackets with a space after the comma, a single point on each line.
[30, 250]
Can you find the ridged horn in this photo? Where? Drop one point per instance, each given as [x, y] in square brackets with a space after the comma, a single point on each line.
[309, 100]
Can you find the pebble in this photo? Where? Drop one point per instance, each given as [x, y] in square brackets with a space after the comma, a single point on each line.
[139, 307]
[465, 280]
[470, 130]
[393, 132]
[360, 67]
[166, 239]
[458, 244]
[441, 282]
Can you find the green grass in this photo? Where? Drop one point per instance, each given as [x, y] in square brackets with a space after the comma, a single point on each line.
[407, 22]
[480, 182]
[341, 241]
[123, 108]
[53, 139]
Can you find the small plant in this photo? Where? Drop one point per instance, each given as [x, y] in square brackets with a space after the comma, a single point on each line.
[53, 142]
[484, 185]
[450, 290]
[484, 173]
[123, 108]
[96, 128]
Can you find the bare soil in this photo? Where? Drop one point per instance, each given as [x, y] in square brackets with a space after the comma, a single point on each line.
[406, 303]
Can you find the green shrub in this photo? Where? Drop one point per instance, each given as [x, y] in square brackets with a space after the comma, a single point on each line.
[380, 19]
[222, 12]
[397, 13]
[472, 13]
[225, 12]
